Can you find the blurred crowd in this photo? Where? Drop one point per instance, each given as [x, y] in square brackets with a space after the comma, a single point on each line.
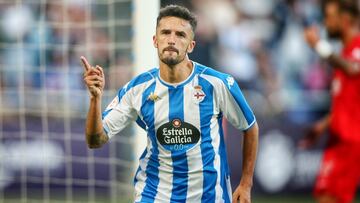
[40, 42]
[259, 42]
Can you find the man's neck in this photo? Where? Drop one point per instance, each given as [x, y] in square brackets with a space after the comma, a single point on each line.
[177, 73]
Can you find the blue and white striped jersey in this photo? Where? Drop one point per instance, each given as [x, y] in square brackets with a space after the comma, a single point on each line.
[185, 158]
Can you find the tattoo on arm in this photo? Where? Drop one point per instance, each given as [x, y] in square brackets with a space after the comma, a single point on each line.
[350, 68]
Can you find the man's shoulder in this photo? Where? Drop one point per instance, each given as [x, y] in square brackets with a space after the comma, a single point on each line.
[138, 80]
[142, 78]
[208, 72]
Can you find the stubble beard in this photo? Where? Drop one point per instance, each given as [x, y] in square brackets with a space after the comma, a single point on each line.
[334, 34]
[171, 62]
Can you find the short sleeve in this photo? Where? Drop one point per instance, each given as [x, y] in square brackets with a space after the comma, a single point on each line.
[118, 114]
[234, 106]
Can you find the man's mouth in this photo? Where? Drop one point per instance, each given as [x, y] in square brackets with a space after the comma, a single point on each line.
[171, 49]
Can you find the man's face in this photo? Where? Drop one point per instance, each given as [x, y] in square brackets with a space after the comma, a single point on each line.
[173, 40]
[332, 20]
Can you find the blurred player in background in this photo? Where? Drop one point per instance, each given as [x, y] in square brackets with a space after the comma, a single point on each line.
[339, 173]
[180, 105]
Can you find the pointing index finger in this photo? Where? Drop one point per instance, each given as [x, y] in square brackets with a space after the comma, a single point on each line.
[85, 63]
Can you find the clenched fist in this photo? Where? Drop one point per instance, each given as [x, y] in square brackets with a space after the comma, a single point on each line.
[311, 35]
[94, 78]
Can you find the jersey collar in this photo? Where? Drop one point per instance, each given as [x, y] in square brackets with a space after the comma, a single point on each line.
[180, 84]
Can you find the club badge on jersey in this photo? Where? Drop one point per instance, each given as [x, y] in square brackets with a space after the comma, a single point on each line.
[198, 94]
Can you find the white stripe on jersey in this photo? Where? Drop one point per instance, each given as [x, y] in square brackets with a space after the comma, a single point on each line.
[233, 113]
[125, 112]
[141, 176]
[214, 133]
[192, 115]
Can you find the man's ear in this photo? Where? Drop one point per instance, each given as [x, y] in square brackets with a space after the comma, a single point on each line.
[191, 46]
[155, 42]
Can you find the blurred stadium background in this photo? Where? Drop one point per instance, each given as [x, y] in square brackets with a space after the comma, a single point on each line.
[43, 102]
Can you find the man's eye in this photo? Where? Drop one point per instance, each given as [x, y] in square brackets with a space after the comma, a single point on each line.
[180, 34]
[166, 32]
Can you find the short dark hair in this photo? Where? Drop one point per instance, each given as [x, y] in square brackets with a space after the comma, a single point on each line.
[350, 7]
[347, 6]
[179, 12]
[324, 4]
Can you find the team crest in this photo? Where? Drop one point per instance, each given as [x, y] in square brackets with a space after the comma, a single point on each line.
[198, 94]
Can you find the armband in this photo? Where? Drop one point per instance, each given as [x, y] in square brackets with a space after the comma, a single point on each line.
[324, 49]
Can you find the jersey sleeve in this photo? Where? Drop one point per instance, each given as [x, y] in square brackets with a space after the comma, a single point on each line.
[234, 106]
[118, 114]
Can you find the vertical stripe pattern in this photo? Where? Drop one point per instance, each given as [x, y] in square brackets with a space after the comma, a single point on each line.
[166, 168]
[152, 171]
[194, 159]
[207, 151]
[227, 194]
[180, 165]
[176, 166]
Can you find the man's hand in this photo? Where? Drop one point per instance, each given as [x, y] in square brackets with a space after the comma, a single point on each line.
[242, 194]
[94, 78]
[325, 51]
[311, 35]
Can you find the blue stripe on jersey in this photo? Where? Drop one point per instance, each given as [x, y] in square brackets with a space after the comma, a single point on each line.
[235, 92]
[224, 170]
[179, 158]
[141, 123]
[144, 77]
[240, 100]
[105, 113]
[207, 150]
[152, 169]
[137, 171]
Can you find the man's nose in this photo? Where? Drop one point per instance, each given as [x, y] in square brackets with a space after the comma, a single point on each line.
[171, 39]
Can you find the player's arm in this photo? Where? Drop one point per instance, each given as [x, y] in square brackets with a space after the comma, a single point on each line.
[313, 134]
[325, 51]
[350, 68]
[239, 114]
[250, 146]
[95, 82]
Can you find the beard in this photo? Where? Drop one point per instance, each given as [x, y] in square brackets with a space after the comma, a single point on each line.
[334, 34]
[169, 60]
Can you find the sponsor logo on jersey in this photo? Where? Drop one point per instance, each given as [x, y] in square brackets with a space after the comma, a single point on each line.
[198, 94]
[230, 81]
[177, 135]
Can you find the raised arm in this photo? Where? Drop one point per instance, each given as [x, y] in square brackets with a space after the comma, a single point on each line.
[243, 191]
[324, 49]
[95, 82]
